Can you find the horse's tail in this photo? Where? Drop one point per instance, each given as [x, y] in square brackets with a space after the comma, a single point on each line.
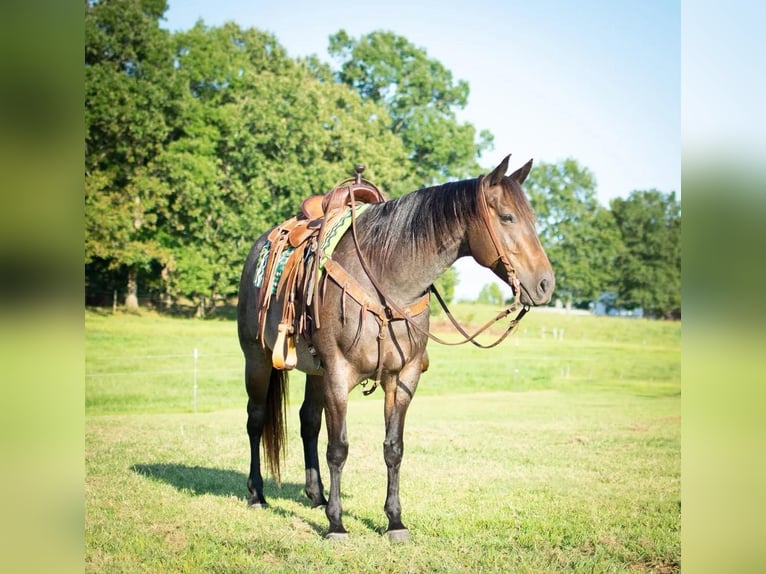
[275, 422]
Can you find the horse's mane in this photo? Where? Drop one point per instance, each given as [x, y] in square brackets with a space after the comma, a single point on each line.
[425, 220]
[420, 221]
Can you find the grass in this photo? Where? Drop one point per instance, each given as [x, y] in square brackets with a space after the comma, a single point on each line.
[542, 455]
[145, 364]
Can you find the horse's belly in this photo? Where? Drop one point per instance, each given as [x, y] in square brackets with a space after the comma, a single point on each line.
[308, 360]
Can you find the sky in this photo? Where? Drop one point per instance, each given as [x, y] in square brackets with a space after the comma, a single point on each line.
[596, 81]
[723, 85]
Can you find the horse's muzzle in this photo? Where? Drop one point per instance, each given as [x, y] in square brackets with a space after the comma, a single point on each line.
[541, 293]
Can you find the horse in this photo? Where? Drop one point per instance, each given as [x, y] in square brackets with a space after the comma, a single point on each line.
[397, 249]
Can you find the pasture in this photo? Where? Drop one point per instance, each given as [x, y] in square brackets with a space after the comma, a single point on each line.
[558, 451]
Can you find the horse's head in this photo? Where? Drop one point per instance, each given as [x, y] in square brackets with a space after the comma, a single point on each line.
[503, 237]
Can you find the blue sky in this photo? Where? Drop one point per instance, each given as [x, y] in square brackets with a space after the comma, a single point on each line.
[597, 81]
[724, 88]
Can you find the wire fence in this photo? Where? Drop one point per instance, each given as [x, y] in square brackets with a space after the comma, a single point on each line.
[200, 378]
[192, 367]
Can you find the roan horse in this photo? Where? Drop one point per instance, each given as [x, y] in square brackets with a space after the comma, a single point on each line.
[405, 244]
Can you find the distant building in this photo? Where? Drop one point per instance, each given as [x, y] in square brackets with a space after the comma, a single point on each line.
[606, 305]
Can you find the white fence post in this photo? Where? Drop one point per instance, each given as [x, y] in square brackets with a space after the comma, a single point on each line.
[195, 380]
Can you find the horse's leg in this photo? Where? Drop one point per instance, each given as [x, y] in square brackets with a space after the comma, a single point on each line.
[311, 423]
[336, 403]
[257, 372]
[399, 392]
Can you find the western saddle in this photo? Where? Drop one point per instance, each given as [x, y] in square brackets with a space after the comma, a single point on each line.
[291, 263]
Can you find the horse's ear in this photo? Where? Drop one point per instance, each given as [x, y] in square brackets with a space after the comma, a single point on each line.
[498, 173]
[521, 174]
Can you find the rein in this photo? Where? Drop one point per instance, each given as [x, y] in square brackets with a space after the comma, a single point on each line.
[406, 314]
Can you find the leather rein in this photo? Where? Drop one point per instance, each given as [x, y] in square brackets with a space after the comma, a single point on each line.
[467, 338]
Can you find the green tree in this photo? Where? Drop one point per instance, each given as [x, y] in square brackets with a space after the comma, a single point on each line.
[578, 234]
[129, 99]
[445, 284]
[212, 209]
[259, 134]
[199, 141]
[490, 294]
[421, 98]
[650, 266]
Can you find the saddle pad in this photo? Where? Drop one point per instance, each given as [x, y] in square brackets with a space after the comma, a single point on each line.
[334, 233]
[263, 257]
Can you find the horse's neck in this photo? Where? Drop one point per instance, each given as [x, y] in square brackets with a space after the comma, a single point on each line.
[411, 271]
[414, 273]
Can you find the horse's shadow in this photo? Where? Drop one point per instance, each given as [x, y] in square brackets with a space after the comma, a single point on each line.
[200, 480]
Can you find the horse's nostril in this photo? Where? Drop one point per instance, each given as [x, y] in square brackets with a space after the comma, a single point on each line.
[543, 286]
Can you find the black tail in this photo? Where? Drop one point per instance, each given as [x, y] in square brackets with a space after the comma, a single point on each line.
[275, 423]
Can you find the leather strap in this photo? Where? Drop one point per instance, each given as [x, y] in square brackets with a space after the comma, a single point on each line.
[352, 288]
[501, 256]
[384, 314]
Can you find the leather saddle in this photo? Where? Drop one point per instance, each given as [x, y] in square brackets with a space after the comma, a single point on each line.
[291, 268]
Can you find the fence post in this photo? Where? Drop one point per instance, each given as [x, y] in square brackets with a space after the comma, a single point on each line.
[194, 389]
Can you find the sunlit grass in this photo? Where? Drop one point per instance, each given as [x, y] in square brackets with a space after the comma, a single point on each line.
[146, 364]
[571, 464]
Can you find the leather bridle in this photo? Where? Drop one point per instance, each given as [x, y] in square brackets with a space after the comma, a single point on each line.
[510, 272]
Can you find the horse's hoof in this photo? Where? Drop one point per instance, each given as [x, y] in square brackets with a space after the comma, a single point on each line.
[257, 504]
[336, 536]
[401, 535]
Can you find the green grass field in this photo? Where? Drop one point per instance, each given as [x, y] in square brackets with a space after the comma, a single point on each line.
[545, 454]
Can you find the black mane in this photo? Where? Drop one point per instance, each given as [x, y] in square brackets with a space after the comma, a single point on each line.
[422, 221]
[426, 220]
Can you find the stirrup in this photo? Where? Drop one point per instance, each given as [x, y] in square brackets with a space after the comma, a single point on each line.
[278, 354]
[292, 355]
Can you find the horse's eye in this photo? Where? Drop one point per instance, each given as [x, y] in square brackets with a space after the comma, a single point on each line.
[507, 218]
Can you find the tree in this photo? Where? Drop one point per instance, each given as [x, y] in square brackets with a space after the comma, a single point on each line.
[650, 266]
[578, 234]
[445, 284]
[420, 97]
[129, 98]
[212, 208]
[490, 294]
[199, 141]
[260, 133]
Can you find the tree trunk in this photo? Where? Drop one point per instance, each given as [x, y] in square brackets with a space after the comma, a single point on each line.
[201, 303]
[131, 299]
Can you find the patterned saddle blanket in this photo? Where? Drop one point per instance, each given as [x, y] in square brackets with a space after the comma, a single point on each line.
[336, 229]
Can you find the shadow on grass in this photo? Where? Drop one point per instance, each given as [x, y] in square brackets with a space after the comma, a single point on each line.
[200, 480]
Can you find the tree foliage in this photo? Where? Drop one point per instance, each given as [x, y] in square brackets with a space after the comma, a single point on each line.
[578, 234]
[240, 165]
[650, 265]
[421, 98]
[129, 110]
[235, 135]
[490, 294]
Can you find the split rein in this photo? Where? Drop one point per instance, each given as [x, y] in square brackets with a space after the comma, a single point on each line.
[468, 338]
